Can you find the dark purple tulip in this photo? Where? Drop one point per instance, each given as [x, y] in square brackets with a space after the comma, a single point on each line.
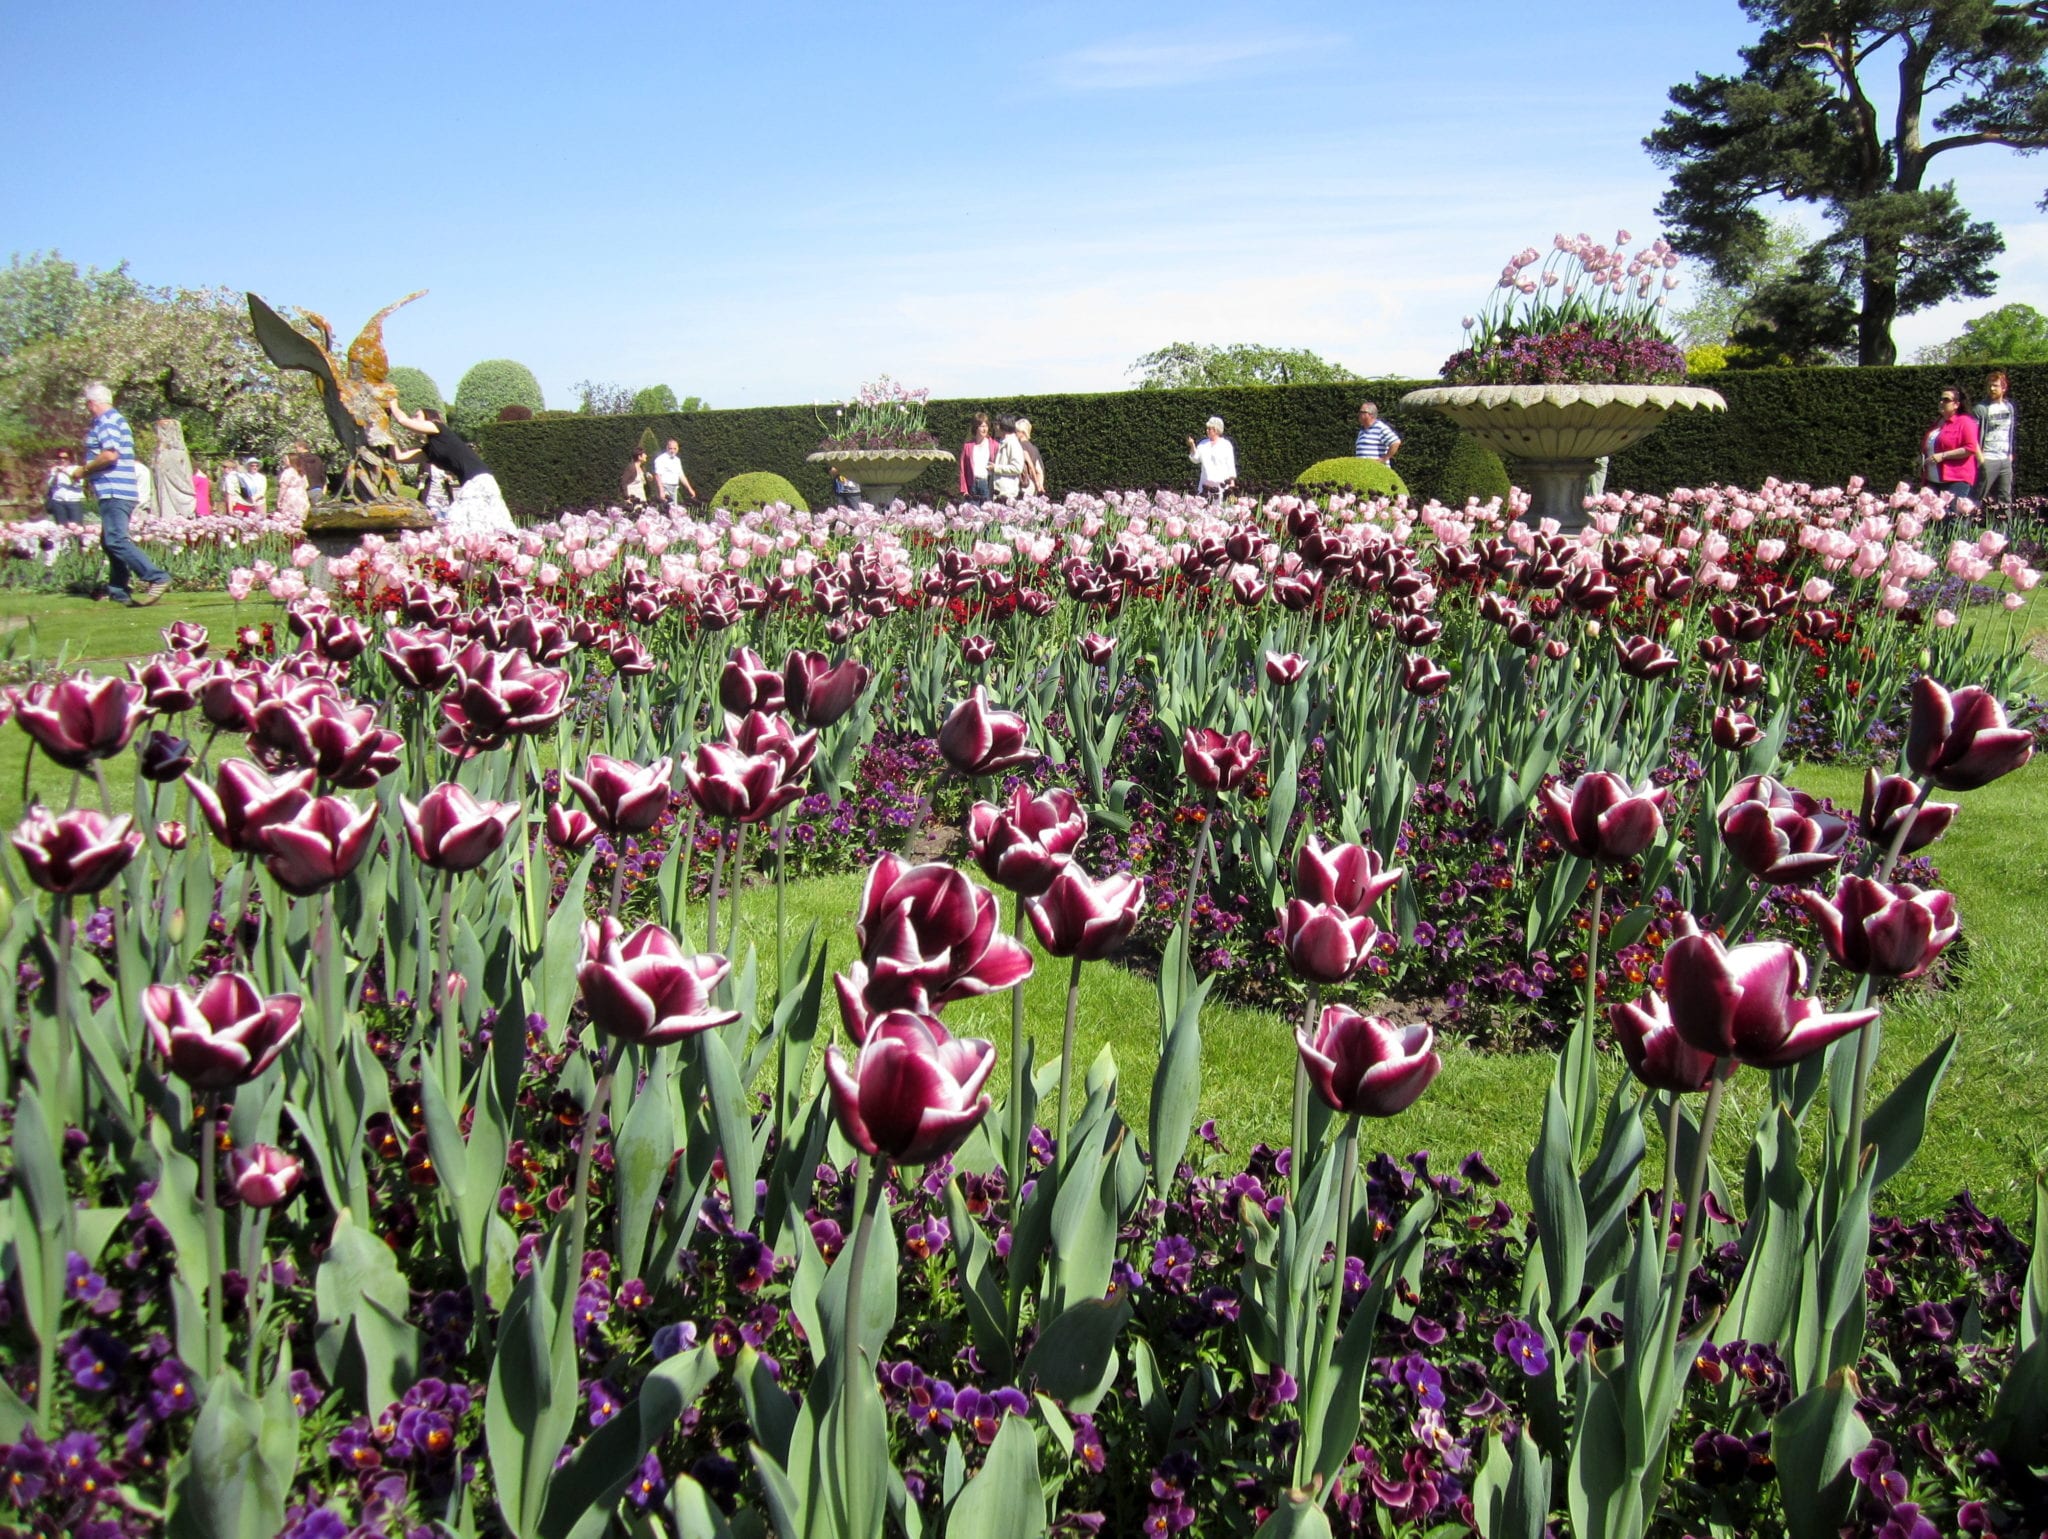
[1743, 1002]
[1218, 762]
[979, 741]
[645, 989]
[1365, 1065]
[928, 936]
[976, 650]
[630, 657]
[338, 638]
[571, 829]
[1888, 930]
[759, 733]
[75, 853]
[228, 698]
[1086, 917]
[717, 610]
[1656, 1054]
[1960, 740]
[170, 686]
[818, 694]
[1324, 944]
[540, 634]
[227, 1036]
[325, 842]
[172, 834]
[728, 784]
[1739, 622]
[1886, 801]
[747, 683]
[1778, 834]
[1418, 630]
[451, 830]
[1642, 658]
[163, 758]
[1350, 876]
[76, 721]
[502, 694]
[420, 658]
[1096, 649]
[264, 1177]
[1422, 677]
[1737, 677]
[1600, 816]
[914, 1094]
[1026, 843]
[244, 801]
[1285, 669]
[1733, 730]
[341, 744]
[623, 797]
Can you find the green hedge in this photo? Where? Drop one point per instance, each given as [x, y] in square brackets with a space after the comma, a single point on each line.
[1818, 425]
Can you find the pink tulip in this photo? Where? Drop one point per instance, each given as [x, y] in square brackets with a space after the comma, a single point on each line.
[1888, 930]
[1350, 876]
[451, 830]
[1025, 843]
[1743, 1002]
[1324, 943]
[1960, 740]
[77, 852]
[979, 741]
[1085, 917]
[264, 1177]
[226, 1036]
[914, 1094]
[1600, 816]
[645, 989]
[1365, 1065]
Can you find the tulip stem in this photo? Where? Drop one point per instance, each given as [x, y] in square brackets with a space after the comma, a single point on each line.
[1866, 1058]
[781, 892]
[732, 922]
[1673, 1117]
[586, 1144]
[1204, 845]
[865, 1191]
[1067, 1055]
[255, 1225]
[618, 884]
[67, 938]
[1321, 1371]
[711, 897]
[1020, 1079]
[1582, 1068]
[1898, 844]
[216, 1266]
[1297, 1164]
[1688, 1249]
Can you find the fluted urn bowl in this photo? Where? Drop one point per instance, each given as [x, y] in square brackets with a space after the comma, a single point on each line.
[882, 473]
[1556, 433]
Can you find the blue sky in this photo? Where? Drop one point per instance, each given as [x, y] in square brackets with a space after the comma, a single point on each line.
[771, 202]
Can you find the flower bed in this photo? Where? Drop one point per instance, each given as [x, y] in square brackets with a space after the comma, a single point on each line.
[418, 1189]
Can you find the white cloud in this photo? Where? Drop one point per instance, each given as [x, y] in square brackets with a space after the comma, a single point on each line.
[1140, 64]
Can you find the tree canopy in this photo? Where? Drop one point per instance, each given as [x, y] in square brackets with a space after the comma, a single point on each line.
[1804, 122]
[1189, 365]
[2010, 334]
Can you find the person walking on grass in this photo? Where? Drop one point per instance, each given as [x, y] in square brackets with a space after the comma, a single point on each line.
[1949, 448]
[110, 469]
[1998, 423]
[670, 476]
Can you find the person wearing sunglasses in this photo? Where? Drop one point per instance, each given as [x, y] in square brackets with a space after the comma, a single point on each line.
[1950, 451]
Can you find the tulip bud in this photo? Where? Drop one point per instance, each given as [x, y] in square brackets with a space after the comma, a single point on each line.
[164, 758]
[915, 1092]
[1216, 762]
[1887, 802]
[264, 1177]
[1078, 916]
[1961, 740]
[76, 853]
[976, 740]
[1365, 1065]
[1096, 649]
[749, 684]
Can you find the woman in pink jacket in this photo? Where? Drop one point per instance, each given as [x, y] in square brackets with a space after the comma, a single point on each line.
[1951, 448]
[977, 456]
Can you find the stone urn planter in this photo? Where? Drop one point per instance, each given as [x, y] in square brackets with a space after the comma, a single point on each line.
[336, 528]
[882, 473]
[1554, 433]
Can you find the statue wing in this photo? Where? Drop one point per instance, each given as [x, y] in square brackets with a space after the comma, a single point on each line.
[366, 357]
[289, 348]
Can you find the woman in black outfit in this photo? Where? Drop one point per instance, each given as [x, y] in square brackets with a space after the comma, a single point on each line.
[478, 507]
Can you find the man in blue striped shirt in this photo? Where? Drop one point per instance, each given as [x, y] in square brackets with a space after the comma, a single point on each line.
[110, 467]
[1376, 441]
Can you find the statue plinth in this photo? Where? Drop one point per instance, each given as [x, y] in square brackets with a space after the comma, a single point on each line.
[336, 527]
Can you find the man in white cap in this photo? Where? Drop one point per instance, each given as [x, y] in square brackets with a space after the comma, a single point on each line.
[247, 488]
[1217, 457]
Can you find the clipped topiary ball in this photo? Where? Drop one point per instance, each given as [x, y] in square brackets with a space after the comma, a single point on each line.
[417, 390]
[1471, 470]
[754, 489]
[491, 386]
[1355, 475]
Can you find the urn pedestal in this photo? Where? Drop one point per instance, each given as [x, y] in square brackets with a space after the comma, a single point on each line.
[1555, 433]
[882, 473]
[337, 528]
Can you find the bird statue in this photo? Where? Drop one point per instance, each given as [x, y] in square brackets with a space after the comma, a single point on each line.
[355, 389]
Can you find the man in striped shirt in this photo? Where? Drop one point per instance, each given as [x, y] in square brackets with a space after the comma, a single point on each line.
[110, 467]
[1376, 441]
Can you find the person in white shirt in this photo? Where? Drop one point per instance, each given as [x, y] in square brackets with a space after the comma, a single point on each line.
[1998, 440]
[247, 488]
[1011, 464]
[1217, 457]
[668, 474]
